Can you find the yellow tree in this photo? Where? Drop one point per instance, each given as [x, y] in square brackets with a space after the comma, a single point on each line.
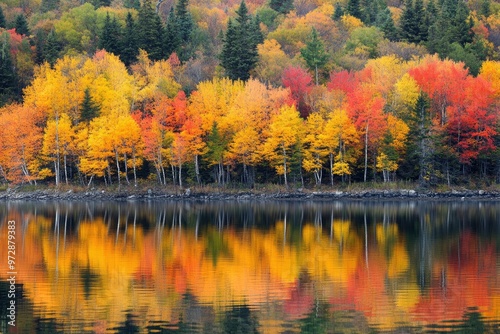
[58, 141]
[314, 149]
[393, 146]
[284, 133]
[340, 138]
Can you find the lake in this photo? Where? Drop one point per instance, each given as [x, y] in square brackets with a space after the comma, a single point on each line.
[251, 267]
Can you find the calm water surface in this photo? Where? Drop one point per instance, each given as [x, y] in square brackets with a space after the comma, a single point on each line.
[270, 267]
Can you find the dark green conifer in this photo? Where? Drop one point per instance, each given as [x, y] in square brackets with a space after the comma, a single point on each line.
[51, 48]
[8, 77]
[338, 13]
[150, 31]
[314, 54]
[110, 37]
[386, 24]
[21, 25]
[129, 48]
[354, 9]
[239, 51]
[48, 5]
[133, 4]
[172, 35]
[88, 108]
[281, 6]
[3, 23]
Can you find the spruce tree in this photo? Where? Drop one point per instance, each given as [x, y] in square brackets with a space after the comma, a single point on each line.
[314, 54]
[150, 31]
[129, 48]
[386, 25]
[51, 48]
[354, 9]
[184, 21]
[338, 13]
[21, 25]
[3, 23]
[110, 37]
[420, 21]
[132, 4]
[281, 6]
[239, 51]
[8, 77]
[485, 9]
[172, 35]
[88, 108]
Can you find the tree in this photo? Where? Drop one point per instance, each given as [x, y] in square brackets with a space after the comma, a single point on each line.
[150, 31]
[338, 13]
[314, 54]
[282, 138]
[184, 21]
[110, 37]
[172, 34]
[386, 23]
[88, 108]
[239, 52]
[48, 5]
[300, 84]
[354, 9]
[314, 150]
[21, 25]
[51, 48]
[8, 77]
[281, 6]
[3, 23]
[129, 47]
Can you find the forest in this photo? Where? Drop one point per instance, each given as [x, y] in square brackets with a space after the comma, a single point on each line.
[297, 93]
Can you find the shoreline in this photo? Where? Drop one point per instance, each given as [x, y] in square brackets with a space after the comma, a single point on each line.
[227, 195]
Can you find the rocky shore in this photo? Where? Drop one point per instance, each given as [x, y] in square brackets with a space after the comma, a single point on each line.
[188, 194]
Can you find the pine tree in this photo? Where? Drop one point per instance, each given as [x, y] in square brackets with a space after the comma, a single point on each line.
[129, 48]
[420, 21]
[8, 77]
[314, 54]
[281, 6]
[386, 24]
[172, 36]
[354, 9]
[51, 48]
[110, 37]
[485, 8]
[184, 21]
[3, 23]
[150, 31]
[88, 109]
[132, 4]
[21, 25]
[339, 12]
[239, 51]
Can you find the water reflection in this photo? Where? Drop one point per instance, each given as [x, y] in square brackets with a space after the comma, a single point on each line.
[186, 267]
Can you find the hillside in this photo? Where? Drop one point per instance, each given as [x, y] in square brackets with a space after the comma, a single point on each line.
[304, 92]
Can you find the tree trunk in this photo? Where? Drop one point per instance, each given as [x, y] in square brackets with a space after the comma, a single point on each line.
[180, 175]
[126, 167]
[65, 169]
[197, 169]
[117, 157]
[331, 168]
[135, 173]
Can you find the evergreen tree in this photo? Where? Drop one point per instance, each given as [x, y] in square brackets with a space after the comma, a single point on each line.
[239, 51]
[48, 5]
[132, 4]
[420, 21]
[184, 21]
[281, 6]
[485, 8]
[101, 3]
[386, 25]
[339, 12]
[3, 23]
[462, 25]
[88, 109]
[21, 25]
[8, 77]
[129, 48]
[51, 48]
[110, 37]
[407, 24]
[314, 54]
[40, 40]
[172, 35]
[150, 31]
[354, 9]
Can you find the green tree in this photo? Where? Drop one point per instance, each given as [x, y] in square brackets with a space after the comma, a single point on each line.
[150, 31]
[129, 47]
[172, 35]
[3, 23]
[132, 4]
[314, 54]
[21, 25]
[386, 23]
[8, 77]
[485, 9]
[339, 12]
[239, 51]
[51, 48]
[281, 6]
[184, 21]
[88, 109]
[110, 37]
[354, 9]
